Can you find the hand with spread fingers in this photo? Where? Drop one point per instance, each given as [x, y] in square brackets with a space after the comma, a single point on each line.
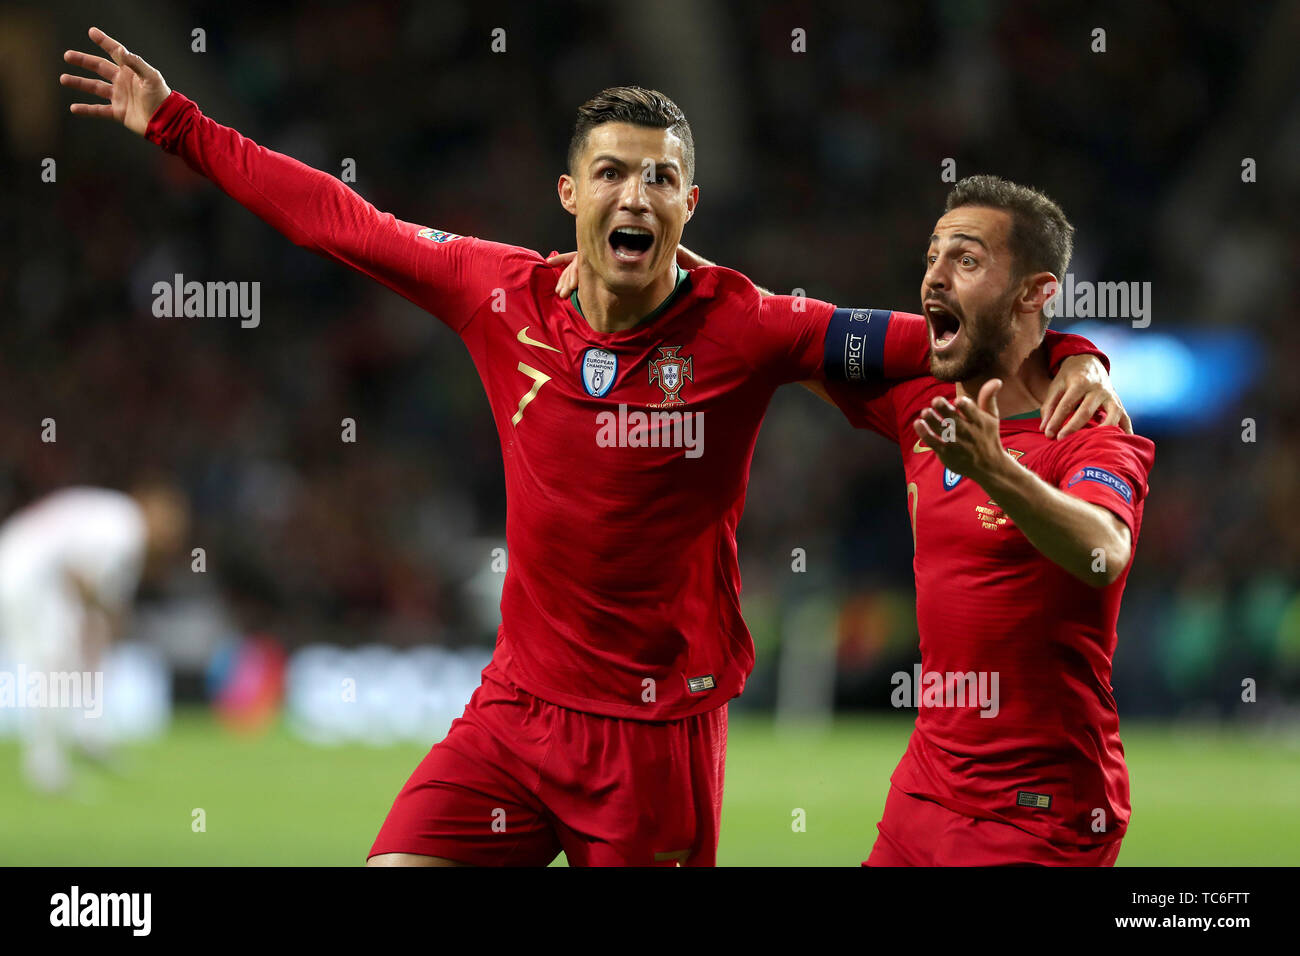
[133, 88]
[965, 435]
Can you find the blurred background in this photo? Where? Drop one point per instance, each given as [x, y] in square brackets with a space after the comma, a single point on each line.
[819, 170]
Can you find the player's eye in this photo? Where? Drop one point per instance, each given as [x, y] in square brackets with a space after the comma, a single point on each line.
[967, 260]
[609, 174]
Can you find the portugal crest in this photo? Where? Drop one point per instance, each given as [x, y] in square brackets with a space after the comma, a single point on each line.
[670, 371]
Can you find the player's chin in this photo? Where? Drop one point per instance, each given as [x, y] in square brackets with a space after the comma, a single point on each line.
[950, 365]
[625, 281]
[622, 275]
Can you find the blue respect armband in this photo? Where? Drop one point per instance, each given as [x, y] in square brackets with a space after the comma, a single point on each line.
[855, 344]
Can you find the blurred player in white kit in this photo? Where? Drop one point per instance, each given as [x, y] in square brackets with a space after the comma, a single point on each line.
[70, 563]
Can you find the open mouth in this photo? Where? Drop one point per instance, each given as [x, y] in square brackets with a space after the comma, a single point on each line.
[631, 243]
[945, 326]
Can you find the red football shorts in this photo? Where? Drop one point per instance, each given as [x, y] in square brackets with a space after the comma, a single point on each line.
[518, 780]
[919, 832]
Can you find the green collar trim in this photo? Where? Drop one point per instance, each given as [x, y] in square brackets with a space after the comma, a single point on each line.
[682, 276]
[1036, 413]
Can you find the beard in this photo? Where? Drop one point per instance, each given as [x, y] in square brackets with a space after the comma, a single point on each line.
[987, 334]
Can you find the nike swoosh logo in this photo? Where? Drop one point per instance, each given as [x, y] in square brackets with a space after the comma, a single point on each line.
[523, 337]
[920, 446]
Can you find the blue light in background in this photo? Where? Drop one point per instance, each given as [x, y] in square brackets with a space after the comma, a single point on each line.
[1186, 380]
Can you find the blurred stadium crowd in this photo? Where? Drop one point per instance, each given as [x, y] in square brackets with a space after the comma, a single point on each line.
[818, 171]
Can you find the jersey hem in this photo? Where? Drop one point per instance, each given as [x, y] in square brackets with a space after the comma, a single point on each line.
[1056, 835]
[604, 708]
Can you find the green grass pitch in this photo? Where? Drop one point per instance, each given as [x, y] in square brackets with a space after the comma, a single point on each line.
[1201, 796]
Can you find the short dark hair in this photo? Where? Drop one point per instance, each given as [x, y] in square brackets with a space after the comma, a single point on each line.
[1041, 240]
[640, 107]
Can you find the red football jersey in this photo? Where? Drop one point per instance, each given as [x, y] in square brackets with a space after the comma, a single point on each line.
[1032, 739]
[626, 454]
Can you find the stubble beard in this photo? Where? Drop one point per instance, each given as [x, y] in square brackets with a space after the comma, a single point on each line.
[988, 334]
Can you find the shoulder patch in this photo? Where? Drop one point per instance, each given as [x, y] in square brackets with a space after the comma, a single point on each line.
[1103, 477]
[438, 235]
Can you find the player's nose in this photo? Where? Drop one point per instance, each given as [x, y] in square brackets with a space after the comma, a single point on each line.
[935, 279]
[633, 197]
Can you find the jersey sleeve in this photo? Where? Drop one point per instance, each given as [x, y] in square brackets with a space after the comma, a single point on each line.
[866, 345]
[1061, 345]
[449, 276]
[865, 349]
[802, 339]
[787, 341]
[1106, 467]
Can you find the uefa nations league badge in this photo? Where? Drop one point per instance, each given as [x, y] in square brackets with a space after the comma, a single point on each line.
[598, 370]
[950, 479]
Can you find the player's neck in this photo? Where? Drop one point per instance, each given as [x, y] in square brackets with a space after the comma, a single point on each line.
[1023, 387]
[609, 311]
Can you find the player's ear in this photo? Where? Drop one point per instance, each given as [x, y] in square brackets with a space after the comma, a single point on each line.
[568, 191]
[692, 200]
[1036, 290]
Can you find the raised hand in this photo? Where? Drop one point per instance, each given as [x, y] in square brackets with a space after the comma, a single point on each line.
[133, 88]
[975, 448]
